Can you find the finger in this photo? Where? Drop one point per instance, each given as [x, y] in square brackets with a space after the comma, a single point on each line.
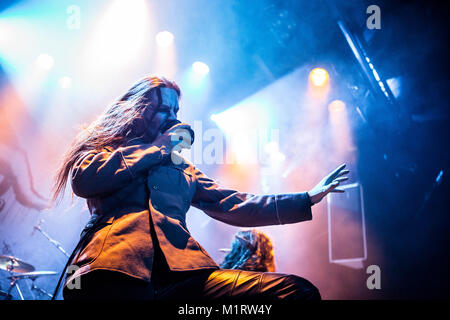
[338, 190]
[185, 145]
[332, 186]
[184, 142]
[183, 134]
[179, 126]
[181, 130]
[341, 179]
[342, 173]
[339, 169]
[335, 173]
[180, 135]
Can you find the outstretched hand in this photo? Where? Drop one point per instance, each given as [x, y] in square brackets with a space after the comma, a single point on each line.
[329, 183]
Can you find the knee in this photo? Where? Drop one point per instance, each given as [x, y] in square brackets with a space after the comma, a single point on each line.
[302, 289]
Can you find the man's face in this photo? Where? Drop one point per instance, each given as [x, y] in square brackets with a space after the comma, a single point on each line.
[166, 112]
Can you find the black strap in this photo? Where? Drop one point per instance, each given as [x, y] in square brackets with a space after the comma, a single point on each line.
[83, 237]
[74, 252]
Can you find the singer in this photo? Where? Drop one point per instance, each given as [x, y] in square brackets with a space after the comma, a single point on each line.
[138, 190]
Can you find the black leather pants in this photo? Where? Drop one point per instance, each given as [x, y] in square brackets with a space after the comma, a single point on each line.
[204, 285]
[227, 284]
[197, 285]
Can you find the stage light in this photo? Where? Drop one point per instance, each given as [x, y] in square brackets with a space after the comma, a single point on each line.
[44, 62]
[248, 132]
[164, 38]
[200, 68]
[395, 84]
[108, 48]
[271, 147]
[340, 131]
[65, 82]
[166, 57]
[319, 77]
[336, 106]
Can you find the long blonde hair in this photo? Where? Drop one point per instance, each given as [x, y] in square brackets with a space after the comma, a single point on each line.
[114, 127]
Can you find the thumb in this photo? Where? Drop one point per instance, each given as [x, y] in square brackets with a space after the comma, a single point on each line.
[332, 186]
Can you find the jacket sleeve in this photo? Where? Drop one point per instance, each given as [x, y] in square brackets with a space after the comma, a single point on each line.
[102, 172]
[248, 210]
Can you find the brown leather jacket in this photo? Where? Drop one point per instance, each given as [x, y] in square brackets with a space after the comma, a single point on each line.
[131, 187]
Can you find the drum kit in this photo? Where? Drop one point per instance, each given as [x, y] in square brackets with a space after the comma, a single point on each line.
[20, 270]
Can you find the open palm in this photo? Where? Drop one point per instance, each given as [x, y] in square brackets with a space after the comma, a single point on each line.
[329, 183]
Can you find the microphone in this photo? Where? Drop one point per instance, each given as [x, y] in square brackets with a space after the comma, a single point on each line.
[169, 124]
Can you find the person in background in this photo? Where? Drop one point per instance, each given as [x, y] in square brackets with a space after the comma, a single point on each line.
[251, 250]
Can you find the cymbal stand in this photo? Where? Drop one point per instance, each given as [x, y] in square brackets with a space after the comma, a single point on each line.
[40, 291]
[52, 241]
[13, 283]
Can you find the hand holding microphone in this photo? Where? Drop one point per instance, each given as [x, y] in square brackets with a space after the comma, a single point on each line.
[175, 136]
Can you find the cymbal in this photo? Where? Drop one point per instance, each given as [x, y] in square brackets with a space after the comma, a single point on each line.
[34, 275]
[14, 264]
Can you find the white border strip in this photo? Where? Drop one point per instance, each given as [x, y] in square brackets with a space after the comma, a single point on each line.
[358, 259]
